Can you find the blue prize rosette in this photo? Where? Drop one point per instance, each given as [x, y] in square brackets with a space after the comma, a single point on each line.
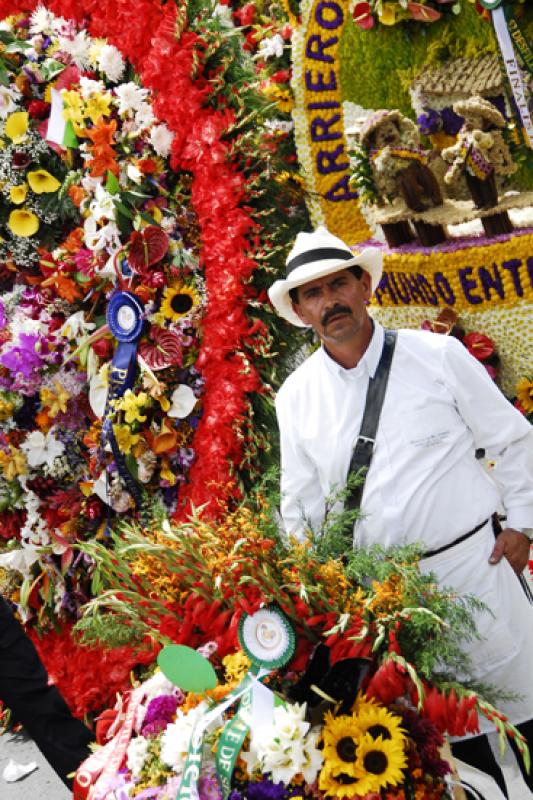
[125, 318]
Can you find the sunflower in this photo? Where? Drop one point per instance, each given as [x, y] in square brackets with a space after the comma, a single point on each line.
[339, 784]
[379, 763]
[179, 301]
[524, 393]
[378, 721]
[340, 736]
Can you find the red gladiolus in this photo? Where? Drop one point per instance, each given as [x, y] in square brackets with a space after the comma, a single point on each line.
[386, 685]
[245, 15]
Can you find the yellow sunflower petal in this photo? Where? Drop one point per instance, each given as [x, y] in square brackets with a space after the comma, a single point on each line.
[17, 125]
[18, 193]
[23, 222]
[42, 182]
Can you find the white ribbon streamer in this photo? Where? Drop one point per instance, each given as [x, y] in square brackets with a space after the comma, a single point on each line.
[513, 71]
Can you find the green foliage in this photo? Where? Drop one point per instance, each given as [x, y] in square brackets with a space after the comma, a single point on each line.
[395, 55]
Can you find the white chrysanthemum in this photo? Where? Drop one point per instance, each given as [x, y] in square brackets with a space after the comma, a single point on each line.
[158, 685]
[285, 748]
[41, 21]
[8, 96]
[77, 48]
[176, 738]
[161, 139]
[136, 755]
[111, 63]
[224, 15]
[42, 448]
[21, 323]
[130, 97]
[144, 116]
[271, 47]
[88, 87]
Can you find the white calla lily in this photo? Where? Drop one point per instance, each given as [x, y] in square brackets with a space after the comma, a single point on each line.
[98, 389]
[183, 401]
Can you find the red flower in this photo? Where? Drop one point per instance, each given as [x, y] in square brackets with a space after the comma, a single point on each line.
[38, 109]
[363, 17]
[245, 15]
[479, 345]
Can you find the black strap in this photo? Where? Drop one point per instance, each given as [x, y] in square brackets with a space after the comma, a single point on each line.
[364, 447]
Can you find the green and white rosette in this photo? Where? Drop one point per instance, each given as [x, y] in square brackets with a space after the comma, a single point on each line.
[267, 637]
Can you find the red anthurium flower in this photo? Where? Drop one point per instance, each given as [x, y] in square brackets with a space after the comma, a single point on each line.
[423, 13]
[362, 15]
[147, 247]
[161, 349]
[479, 345]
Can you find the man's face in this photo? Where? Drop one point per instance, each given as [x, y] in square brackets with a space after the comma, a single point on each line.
[335, 305]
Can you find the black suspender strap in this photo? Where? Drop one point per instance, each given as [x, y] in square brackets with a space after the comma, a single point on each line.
[364, 446]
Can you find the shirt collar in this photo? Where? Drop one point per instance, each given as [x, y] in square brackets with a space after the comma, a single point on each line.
[369, 361]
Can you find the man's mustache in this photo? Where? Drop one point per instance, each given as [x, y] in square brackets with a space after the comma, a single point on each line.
[332, 312]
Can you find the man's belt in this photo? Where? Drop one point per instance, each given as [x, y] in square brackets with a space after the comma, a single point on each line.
[462, 538]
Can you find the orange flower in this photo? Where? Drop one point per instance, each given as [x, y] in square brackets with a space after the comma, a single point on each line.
[43, 421]
[102, 151]
[74, 240]
[76, 194]
[65, 287]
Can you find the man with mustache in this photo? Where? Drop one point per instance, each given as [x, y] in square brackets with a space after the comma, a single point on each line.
[424, 483]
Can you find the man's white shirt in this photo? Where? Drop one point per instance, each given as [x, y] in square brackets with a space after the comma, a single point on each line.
[424, 483]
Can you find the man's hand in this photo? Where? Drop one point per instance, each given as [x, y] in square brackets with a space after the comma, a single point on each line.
[514, 546]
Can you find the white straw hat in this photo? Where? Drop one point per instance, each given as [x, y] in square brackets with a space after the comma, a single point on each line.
[314, 255]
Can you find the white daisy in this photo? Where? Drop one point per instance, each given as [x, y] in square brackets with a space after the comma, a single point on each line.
[111, 63]
[161, 139]
[144, 116]
[77, 48]
[41, 21]
[130, 97]
[89, 87]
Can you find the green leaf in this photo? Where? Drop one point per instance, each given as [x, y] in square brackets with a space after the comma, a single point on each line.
[112, 185]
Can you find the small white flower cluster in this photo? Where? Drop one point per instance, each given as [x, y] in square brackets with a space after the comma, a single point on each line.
[285, 748]
[271, 47]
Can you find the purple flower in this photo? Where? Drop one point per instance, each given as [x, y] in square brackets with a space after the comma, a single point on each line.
[429, 122]
[266, 790]
[23, 359]
[3, 319]
[451, 122]
[159, 713]
[208, 785]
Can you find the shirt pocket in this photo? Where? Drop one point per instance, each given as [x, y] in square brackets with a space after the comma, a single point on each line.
[430, 427]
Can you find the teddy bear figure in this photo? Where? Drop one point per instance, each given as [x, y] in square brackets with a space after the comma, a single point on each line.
[400, 168]
[480, 154]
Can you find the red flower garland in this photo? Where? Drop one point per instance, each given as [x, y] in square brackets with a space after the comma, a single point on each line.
[166, 65]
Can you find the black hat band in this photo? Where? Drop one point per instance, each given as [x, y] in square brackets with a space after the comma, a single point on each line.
[319, 254]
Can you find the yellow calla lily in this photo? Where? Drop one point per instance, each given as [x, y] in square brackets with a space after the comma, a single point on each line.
[18, 193]
[42, 182]
[23, 222]
[16, 126]
[388, 14]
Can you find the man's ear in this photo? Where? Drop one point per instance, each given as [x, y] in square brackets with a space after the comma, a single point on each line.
[366, 281]
[299, 312]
